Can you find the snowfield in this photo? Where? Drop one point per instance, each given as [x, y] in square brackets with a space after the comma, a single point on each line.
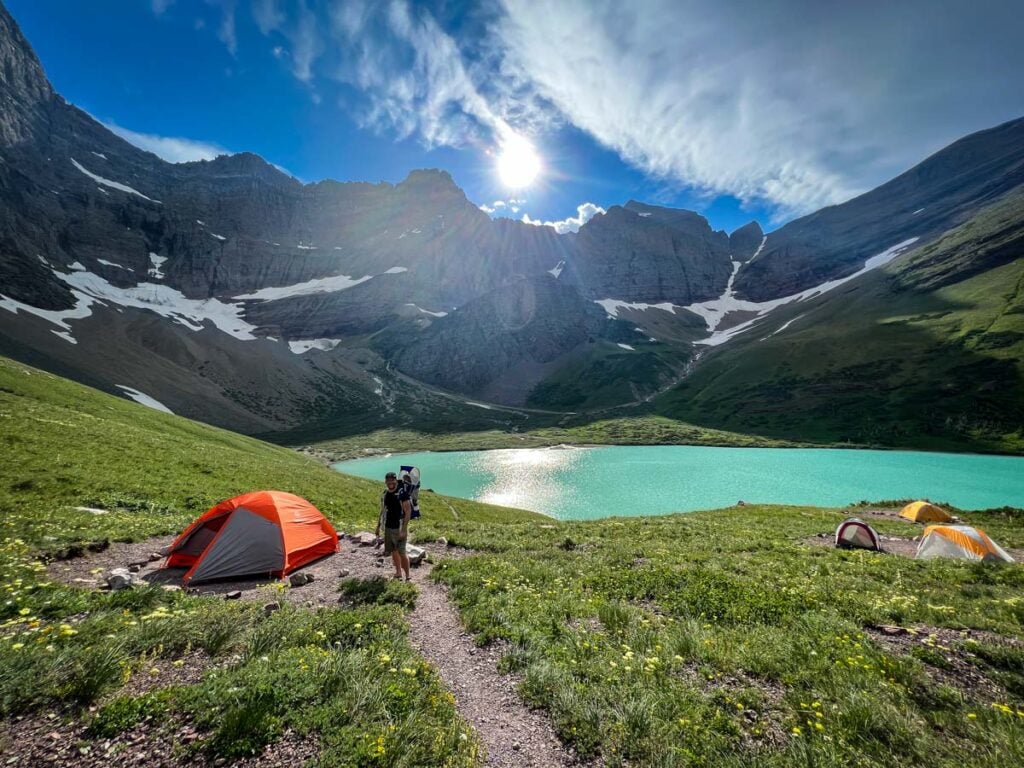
[112, 184]
[713, 311]
[143, 399]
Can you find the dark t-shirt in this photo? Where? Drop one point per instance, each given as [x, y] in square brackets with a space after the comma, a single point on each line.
[393, 514]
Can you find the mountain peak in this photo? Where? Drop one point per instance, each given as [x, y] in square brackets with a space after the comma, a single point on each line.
[428, 177]
[744, 242]
[23, 84]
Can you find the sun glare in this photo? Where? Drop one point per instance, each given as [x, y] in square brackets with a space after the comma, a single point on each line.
[518, 163]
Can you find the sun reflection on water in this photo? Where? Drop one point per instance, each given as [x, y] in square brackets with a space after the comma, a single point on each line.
[529, 478]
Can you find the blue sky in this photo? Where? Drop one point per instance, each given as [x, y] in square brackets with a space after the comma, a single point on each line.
[767, 112]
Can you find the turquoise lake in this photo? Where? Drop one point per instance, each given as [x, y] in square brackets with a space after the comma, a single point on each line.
[586, 483]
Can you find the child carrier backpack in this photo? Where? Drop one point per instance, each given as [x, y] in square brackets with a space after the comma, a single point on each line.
[413, 484]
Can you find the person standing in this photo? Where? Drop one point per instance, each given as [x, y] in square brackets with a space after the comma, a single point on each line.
[395, 511]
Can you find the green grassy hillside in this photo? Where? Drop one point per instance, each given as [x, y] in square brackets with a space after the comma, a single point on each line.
[926, 353]
[721, 638]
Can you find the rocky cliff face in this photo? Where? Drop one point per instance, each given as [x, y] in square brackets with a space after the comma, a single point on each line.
[24, 90]
[642, 253]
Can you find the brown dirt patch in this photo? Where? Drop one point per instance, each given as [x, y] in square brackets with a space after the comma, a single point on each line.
[90, 569]
[946, 655]
[52, 740]
[891, 545]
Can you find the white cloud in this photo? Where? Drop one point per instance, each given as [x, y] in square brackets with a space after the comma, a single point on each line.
[798, 105]
[268, 15]
[306, 44]
[226, 31]
[171, 149]
[413, 74]
[159, 6]
[584, 213]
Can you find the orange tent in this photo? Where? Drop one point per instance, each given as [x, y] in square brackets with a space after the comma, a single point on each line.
[959, 541]
[923, 512]
[266, 532]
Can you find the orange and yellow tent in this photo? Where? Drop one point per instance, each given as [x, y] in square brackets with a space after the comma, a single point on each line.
[923, 512]
[261, 533]
[959, 541]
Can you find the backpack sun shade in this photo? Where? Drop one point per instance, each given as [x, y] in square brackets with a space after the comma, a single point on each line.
[856, 534]
[266, 532]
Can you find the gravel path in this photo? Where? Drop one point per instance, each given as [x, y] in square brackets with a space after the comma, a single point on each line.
[513, 734]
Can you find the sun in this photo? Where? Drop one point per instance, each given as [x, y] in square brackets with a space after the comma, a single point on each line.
[518, 163]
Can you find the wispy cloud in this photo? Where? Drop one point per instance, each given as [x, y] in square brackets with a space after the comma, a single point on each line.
[172, 149]
[413, 74]
[791, 115]
[227, 32]
[584, 213]
[159, 6]
[798, 104]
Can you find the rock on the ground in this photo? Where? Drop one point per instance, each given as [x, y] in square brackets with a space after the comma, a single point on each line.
[300, 579]
[344, 573]
[416, 554]
[154, 556]
[134, 568]
[269, 608]
[120, 578]
[442, 541]
[237, 594]
[365, 539]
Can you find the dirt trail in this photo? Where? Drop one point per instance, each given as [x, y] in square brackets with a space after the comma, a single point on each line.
[513, 734]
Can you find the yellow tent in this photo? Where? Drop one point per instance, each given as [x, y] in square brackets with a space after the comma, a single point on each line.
[923, 512]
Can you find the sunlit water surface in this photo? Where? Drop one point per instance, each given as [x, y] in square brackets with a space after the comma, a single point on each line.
[585, 483]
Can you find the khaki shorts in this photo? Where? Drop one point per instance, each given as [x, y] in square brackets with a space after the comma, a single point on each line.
[392, 542]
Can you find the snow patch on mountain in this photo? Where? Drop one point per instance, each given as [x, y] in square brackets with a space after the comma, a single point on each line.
[427, 311]
[59, 317]
[219, 237]
[557, 269]
[301, 346]
[713, 311]
[396, 270]
[112, 184]
[157, 265]
[613, 306]
[626, 346]
[165, 301]
[316, 285]
[143, 399]
[782, 327]
[112, 264]
[759, 249]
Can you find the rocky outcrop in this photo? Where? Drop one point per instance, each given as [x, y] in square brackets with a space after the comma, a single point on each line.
[643, 253]
[744, 242]
[24, 90]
